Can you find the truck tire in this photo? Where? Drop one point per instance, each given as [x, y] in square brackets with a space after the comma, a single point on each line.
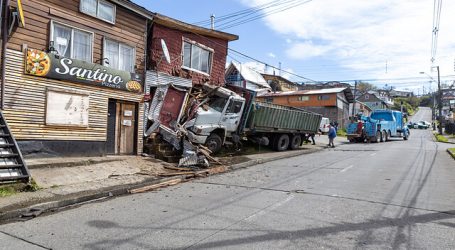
[296, 140]
[406, 135]
[389, 135]
[385, 135]
[382, 135]
[214, 143]
[281, 142]
[377, 138]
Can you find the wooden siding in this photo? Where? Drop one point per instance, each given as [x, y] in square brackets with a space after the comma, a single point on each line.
[293, 100]
[129, 28]
[25, 106]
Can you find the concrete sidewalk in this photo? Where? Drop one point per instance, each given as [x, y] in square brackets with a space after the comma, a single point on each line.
[66, 182]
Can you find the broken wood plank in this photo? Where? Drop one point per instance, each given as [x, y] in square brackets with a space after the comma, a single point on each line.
[155, 186]
[176, 173]
[176, 168]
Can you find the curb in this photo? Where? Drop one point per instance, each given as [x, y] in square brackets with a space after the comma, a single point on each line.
[76, 199]
[68, 164]
[451, 154]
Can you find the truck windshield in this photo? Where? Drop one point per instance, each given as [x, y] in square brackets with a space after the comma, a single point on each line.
[386, 116]
[217, 103]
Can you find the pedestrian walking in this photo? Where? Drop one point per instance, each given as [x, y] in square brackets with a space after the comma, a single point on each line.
[332, 134]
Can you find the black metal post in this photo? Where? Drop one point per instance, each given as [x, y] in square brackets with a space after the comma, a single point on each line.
[4, 24]
[439, 102]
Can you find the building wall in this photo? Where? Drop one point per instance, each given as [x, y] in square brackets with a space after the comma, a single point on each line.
[174, 42]
[129, 28]
[25, 95]
[294, 101]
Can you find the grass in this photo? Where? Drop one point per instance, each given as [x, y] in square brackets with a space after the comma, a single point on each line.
[441, 138]
[452, 152]
[7, 191]
[14, 188]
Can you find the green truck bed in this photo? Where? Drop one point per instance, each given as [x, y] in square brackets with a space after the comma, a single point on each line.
[266, 117]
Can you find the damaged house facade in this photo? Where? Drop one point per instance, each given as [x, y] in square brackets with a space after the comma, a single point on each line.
[73, 82]
[181, 57]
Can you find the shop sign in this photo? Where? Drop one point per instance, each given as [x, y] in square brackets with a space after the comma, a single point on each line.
[49, 65]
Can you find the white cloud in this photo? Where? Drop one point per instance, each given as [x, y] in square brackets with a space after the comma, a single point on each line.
[270, 54]
[361, 36]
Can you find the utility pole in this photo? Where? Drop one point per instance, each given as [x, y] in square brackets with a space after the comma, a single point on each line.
[439, 102]
[355, 93]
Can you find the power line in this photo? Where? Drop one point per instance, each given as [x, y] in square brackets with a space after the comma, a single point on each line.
[240, 22]
[437, 7]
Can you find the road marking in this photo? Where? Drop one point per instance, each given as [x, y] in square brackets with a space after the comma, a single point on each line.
[373, 154]
[270, 208]
[345, 169]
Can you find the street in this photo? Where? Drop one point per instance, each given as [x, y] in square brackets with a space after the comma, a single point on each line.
[392, 195]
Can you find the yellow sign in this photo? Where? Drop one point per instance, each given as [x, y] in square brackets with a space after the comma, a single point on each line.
[21, 14]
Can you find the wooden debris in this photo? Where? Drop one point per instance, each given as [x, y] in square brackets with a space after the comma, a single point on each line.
[176, 168]
[155, 186]
[177, 173]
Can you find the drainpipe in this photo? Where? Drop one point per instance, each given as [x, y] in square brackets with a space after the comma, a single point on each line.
[5, 12]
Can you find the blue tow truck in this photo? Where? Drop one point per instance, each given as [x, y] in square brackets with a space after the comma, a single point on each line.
[380, 126]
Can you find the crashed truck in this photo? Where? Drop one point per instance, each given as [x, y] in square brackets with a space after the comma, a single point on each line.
[210, 117]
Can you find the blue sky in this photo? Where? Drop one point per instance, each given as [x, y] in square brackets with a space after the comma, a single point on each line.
[383, 41]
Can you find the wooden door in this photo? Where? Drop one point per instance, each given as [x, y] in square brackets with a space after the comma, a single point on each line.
[127, 128]
[111, 142]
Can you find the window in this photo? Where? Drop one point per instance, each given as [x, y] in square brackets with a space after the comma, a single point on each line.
[99, 8]
[303, 98]
[269, 99]
[367, 97]
[67, 108]
[119, 55]
[71, 42]
[234, 107]
[324, 97]
[196, 57]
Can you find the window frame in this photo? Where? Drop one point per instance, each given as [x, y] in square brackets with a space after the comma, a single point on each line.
[324, 97]
[92, 37]
[202, 46]
[303, 98]
[96, 11]
[119, 44]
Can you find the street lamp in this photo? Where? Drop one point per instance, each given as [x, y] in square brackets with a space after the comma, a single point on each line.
[439, 99]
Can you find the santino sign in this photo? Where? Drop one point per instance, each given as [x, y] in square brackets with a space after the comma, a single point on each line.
[40, 63]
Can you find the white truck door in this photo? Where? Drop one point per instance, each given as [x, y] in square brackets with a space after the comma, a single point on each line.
[232, 114]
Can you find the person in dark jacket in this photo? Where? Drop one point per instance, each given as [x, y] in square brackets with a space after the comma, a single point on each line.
[332, 134]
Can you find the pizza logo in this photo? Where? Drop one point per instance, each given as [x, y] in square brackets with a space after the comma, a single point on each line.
[37, 62]
[133, 86]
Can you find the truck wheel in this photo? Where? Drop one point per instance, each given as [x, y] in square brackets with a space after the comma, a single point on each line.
[377, 138]
[389, 135]
[214, 143]
[385, 136]
[406, 135]
[281, 142]
[295, 142]
[381, 137]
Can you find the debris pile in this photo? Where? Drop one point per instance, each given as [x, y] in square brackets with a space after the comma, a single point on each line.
[169, 114]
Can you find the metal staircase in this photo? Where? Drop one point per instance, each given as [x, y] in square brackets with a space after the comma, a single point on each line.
[12, 165]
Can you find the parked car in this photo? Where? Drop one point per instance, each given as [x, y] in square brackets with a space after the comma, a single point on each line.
[324, 126]
[422, 125]
[412, 125]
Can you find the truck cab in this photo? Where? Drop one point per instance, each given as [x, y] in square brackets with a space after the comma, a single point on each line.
[218, 117]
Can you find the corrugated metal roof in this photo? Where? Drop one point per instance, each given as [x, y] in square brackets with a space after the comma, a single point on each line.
[250, 75]
[325, 91]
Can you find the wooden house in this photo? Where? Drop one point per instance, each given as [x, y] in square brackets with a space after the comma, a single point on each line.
[332, 103]
[73, 78]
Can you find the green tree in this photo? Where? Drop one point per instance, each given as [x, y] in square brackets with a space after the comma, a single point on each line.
[364, 87]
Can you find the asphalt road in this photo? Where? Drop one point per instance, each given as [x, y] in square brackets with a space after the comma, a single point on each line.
[393, 195]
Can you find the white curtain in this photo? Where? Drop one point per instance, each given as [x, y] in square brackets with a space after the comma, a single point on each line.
[111, 52]
[205, 61]
[89, 6]
[127, 58]
[82, 46]
[106, 11]
[187, 55]
[196, 58]
[62, 40]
